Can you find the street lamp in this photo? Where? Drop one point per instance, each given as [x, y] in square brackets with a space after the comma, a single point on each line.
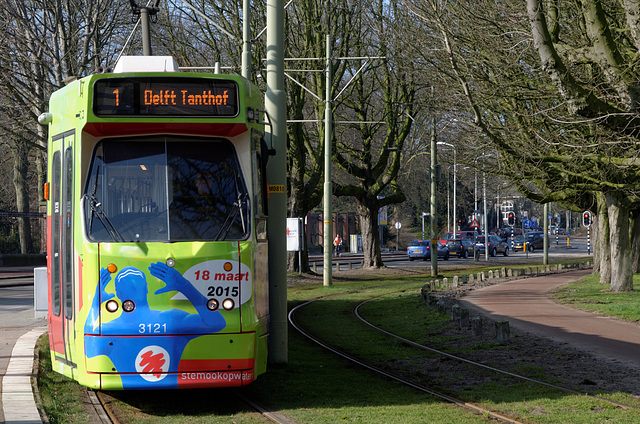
[455, 220]
[484, 199]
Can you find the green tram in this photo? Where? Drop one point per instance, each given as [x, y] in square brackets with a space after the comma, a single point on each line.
[157, 228]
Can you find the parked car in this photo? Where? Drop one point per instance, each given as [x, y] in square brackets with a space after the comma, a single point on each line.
[462, 248]
[558, 230]
[519, 244]
[422, 249]
[506, 233]
[494, 243]
[534, 240]
[471, 235]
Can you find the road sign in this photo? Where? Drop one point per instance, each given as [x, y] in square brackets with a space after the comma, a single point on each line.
[474, 223]
[398, 225]
[527, 223]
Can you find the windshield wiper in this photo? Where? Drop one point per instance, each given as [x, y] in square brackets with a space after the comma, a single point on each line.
[96, 209]
[231, 216]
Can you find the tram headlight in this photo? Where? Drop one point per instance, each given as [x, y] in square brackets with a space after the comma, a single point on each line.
[128, 305]
[112, 306]
[212, 305]
[228, 304]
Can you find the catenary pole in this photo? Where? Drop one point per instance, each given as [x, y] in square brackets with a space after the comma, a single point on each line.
[545, 260]
[246, 39]
[434, 182]
[275, 104]
[328, 188]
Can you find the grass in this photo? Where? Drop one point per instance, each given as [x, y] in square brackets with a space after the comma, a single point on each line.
[318, 387]
[62, 398]
[589, 294]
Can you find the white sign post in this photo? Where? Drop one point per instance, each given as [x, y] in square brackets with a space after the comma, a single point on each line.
[294, 238]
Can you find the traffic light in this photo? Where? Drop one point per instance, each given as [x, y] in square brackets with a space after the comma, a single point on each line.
[511, 219]
[586, 218]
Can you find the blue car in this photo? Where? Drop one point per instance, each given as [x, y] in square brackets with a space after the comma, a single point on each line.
[422, 249]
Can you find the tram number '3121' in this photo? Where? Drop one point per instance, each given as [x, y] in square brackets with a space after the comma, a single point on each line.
[155, 328]
[223, 291]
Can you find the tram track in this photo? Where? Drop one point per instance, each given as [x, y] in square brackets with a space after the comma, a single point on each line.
[102, 413]
[393, 376]
[396, 376]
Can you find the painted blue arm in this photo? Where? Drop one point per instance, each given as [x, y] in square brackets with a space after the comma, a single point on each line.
[176, 282]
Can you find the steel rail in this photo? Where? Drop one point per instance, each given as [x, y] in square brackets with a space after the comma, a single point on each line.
[391, 376]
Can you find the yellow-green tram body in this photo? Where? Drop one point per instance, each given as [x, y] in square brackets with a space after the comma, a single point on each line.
[156, 219]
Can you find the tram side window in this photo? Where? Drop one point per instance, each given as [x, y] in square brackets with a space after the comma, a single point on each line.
[55, 239]
[67, 236]
[166, 188]
[260, 157]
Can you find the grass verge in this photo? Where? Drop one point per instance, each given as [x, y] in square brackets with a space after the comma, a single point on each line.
[316, 387]
[61, 397]
[590, 295]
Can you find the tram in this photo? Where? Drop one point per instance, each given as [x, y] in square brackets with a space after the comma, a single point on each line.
[157, 228]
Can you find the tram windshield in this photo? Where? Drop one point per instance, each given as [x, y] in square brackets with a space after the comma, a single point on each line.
[165, 188]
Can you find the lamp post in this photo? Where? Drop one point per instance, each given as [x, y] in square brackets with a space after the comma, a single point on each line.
[455, 221]
[484, 200]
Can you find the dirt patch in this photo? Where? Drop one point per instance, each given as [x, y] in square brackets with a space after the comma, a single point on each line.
[523, 353]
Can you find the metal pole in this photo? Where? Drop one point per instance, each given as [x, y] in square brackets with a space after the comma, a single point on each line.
[455, 217]
[455, 170]
[276, 106]
[545, 259]
[448, 209]
[328, 124]
[246, 39]
[432, 218]
[486, 224]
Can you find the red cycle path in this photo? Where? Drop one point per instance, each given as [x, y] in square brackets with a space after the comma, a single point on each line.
[527, 306]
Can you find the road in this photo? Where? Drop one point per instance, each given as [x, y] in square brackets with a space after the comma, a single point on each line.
[559, 251]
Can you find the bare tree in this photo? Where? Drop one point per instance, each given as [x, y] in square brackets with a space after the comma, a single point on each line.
[555, 94]
[44, 43]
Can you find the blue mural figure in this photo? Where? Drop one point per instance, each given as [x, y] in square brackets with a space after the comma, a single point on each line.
[153, 352]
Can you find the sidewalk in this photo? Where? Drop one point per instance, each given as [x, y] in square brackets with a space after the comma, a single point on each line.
[527, 306]
[17, 403]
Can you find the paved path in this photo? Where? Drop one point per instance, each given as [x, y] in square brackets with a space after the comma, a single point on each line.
[19, 330]
[526, 305]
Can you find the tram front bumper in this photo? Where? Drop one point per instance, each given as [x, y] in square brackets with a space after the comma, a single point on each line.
[171, 362]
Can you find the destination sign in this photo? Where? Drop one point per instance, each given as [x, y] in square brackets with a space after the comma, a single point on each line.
[165, 96]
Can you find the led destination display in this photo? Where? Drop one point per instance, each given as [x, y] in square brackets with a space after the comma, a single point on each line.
[165, 96]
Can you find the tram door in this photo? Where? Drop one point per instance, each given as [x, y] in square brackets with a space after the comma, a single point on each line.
[61, 288]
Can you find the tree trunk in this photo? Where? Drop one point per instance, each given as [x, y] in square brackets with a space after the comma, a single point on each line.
[370, 235]
[21, 186]
[621, 275]
[603, 240]
[635, 241]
